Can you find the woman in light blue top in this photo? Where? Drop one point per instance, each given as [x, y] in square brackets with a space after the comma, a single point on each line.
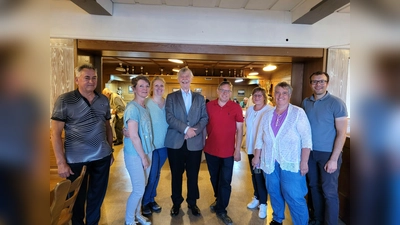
[156, 106]
[138, 149]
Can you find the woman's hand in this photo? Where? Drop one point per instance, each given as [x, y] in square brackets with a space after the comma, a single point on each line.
[255, 161]
[145, 162]
[303, 168]
[125, 132]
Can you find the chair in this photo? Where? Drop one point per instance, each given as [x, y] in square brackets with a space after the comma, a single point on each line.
[57, 200]
[65, 214]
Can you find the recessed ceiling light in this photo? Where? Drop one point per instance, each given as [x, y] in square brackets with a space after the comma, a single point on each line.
[176, 61]
[252, 72]
[269, 67]
[238, 80]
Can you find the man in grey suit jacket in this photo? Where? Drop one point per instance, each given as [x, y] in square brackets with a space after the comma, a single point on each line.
[187, 117]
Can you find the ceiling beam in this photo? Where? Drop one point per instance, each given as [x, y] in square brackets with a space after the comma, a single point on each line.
[121, 48]
[312, 11]
[96, 7]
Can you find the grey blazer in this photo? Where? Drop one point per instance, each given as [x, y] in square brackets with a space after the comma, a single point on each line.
[178, 120]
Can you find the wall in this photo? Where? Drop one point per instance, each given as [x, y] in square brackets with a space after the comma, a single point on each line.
[191, 25]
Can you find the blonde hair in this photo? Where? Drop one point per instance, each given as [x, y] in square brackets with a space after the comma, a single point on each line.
[152, 83]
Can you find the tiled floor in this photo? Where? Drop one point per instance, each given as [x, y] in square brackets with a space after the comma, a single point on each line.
[113, 210]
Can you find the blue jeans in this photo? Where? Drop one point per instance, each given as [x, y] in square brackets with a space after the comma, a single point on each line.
[284, 186]
[159, 157]
[324, 187]
[139, 176]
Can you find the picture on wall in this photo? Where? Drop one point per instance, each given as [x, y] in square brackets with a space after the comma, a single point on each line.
[198, 90]
[130, 89]
[175, 89]
[241, 92]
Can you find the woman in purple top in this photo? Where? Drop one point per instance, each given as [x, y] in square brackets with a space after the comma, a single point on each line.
[283, 146]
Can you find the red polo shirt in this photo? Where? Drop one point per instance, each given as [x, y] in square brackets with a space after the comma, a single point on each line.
[221, 128]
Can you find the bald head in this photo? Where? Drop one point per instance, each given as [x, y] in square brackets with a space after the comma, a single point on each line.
[106, 92]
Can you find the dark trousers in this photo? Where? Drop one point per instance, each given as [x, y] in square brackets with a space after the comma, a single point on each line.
[180, 160]
[119, 124]
[221, 170]
[323, 188]
[92, 190]
[260, 190]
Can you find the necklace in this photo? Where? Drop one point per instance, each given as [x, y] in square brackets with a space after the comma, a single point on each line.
[278, 118]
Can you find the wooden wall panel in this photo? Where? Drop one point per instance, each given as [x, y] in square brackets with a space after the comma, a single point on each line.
[310, 67]
[337, 68]
[62, 68]
[297, 83]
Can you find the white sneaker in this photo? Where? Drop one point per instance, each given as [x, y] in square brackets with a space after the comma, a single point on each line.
[254, 203]
[143, 220]
[262, 212]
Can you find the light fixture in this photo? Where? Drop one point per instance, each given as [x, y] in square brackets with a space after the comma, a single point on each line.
[238, 80]
[253, 72]
[120, 68]
[269, 67]
[176, 69]
[176, 61]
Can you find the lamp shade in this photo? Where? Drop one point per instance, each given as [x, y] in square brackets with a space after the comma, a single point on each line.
[269, 67]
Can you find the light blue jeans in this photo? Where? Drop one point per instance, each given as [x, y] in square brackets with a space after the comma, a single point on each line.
[139, 178]
[284, 186]
[159, 157]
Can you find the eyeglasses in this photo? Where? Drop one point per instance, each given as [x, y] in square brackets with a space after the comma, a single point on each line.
[224, 91]
[319, 81]
[258, 96]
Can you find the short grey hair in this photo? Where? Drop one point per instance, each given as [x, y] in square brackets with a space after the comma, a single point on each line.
[285, 85]
[84, 66]
[184, 70]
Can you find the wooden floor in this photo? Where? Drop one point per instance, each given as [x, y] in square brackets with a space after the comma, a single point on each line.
[113, 209]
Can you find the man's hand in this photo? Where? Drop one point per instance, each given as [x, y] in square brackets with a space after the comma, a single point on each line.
[190, 132]
[237, 157]
[64, 170]
[331, 166]
[112, 159]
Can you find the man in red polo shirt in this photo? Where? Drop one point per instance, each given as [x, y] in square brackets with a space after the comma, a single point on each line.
[222, 148]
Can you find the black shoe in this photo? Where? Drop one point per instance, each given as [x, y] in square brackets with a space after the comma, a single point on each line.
[155, 207]
[146, 210]
[212, 206]
[225, 218]
[195, 210]
[175, 210]
[273, 222]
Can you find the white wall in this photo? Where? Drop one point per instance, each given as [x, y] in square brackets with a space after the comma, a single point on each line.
[191, 25]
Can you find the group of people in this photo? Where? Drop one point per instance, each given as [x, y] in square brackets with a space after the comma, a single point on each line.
[285, 142]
